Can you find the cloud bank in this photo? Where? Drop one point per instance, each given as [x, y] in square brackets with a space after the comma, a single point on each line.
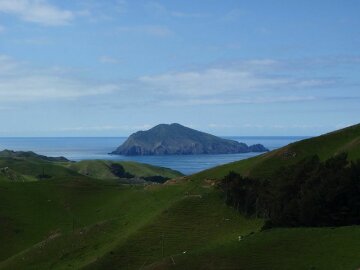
[256, 81]
[36, 11]
[19, 83]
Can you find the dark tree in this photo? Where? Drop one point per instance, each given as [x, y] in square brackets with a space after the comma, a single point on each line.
[309, 193]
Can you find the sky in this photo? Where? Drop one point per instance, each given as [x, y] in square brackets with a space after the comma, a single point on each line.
[229, 67]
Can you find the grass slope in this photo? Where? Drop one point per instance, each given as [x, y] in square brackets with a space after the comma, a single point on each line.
[72, 221]
[28, 166]
[95, 226]
[325, 146]
[7, 174]
[101, 169]
[157, 227]
[119, 227]
[32, 168]
[69, 224]
[191, 223]
[297, 248]
[29, 155]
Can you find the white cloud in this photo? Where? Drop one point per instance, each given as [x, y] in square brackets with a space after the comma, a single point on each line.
[232, 100]
[7, 64]
[36, 11]
[179, 14]
[21, 83]
[233, 15]
[38, 41]
[35, 88]
[257, 81]
[2, 29]
[107, 127]
[155, 7]
[121, 6]
[248, 81]
[159, 9]
[88, 128]
[220, 126]
[151, 30]
[289, 126]
[108, 60]
[96, 11]
[211, 82]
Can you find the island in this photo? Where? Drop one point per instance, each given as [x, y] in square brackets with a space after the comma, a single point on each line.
[175, 139]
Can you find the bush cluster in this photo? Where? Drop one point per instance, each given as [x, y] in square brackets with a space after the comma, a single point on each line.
[309, 193]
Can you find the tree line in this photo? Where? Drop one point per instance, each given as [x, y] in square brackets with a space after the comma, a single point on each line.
[309, 193]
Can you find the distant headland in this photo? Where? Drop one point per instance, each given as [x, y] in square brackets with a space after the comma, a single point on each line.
[175, 139]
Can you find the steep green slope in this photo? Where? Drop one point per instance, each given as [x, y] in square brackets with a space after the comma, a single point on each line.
[90, 225]
[298, 248]
[345, 140]
[194, 223]
[110, 227]
[53, 225]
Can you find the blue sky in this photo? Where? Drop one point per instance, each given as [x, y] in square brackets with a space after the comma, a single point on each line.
[109, 68]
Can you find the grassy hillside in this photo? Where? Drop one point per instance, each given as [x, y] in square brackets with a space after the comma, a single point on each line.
[97, 226]
[195, 222]
[75, 221]
[101, 169]
[90, 225]
[7, 174]
[42, 222]
[298, 248]
[29, 155]
[28, 166]
[33, 169]
[345, 140]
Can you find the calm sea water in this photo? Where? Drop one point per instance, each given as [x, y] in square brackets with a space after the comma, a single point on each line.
[77, 149]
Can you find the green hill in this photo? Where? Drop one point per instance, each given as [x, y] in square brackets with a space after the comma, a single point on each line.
[7, 174]
[296, 248]
[76, 220]
[28, 166]
[90, 225]
[35, 169]
[29, 155]
[96, 226]
[111, 170]
[325, 146]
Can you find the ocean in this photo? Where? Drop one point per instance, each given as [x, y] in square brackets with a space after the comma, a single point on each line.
[85, 148]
